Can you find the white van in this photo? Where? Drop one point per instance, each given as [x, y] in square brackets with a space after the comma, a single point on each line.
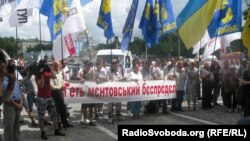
[109, 54]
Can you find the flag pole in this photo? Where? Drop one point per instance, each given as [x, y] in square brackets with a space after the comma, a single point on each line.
[16, 43]
[112, 104]
[65, 10]
[87, 38]
[40, 38]
[216, 36]
[40, 30]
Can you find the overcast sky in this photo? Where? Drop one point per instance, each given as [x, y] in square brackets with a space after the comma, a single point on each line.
[119, 10]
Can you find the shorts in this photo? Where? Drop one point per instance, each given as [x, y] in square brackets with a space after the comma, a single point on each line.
[31, 99]
[87, 105]
[44, 104]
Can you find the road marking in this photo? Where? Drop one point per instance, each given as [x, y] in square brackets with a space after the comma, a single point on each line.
[195, 119]
[105, 130]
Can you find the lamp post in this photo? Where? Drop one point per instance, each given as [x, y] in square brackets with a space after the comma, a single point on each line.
[87, 38]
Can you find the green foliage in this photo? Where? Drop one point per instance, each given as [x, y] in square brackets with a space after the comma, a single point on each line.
[9, 45]
[39, 47]
[245, 12]
[168, 46]
[137, 46]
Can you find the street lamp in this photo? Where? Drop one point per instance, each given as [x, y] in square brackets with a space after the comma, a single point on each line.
[87, 38]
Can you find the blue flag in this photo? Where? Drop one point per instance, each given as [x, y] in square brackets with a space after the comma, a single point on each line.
[146, 22]
[226, 19]
[129, 25]
[167, 19]
[52, 9]
[104, 19]
[155, 24]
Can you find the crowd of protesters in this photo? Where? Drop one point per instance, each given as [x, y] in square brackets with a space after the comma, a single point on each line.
[43, 83]
[194, 81]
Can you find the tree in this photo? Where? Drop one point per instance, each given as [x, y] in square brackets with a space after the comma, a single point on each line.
[168, 46]
[9, 45]
[40, 47]
[137, 46]
[245, 12]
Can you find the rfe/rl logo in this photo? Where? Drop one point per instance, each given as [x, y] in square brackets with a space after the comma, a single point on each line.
[22, 15]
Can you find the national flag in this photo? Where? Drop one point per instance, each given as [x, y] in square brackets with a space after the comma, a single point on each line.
[6, 8]
[129, 25]
[155, 24]
[52, 9]
[226, 19]
[104, 20]
[246, 34]
[167, 19]
[145, 24]
[22, 14]
[74, 22]
[194, 19]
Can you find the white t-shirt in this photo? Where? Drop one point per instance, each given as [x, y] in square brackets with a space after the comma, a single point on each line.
[135, 76]
[66, 73]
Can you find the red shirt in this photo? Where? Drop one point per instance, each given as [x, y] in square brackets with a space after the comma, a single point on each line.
[46, 91]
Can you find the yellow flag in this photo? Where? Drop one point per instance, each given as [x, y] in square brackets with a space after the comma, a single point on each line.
[246, 34]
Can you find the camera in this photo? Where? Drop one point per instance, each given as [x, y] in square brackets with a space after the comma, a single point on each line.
[11, 67]
[33, 68]
[43, 64]
[36, 67]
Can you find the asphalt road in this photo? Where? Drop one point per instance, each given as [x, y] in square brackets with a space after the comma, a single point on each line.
[218, 115]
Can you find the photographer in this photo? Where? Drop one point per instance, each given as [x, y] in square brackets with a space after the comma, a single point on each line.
[4, 73]
[12, 106]
[44, 98]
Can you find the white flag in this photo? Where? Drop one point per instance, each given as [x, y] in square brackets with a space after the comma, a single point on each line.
[6, 8]
[40, 57]
[203, 41]
[74, 22]
[22, 14]
[211, 46]
[222, 43]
